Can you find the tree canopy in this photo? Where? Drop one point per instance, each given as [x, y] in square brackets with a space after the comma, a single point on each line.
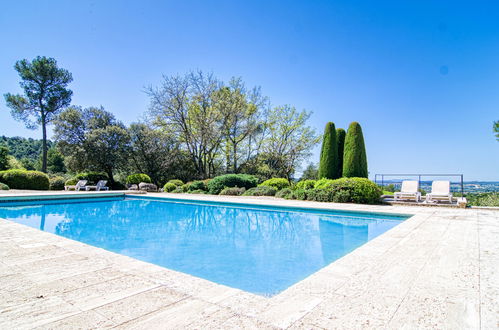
[45, 95]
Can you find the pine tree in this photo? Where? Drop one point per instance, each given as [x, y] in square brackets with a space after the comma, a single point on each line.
[354, 156]
[328, 165]
[340, 139]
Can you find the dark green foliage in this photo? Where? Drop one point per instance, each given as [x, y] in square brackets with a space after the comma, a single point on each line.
[138, 178]
[21, 179]
[278, 183]
[496, 129]
[340, 140]
[91, 177]
[56, 183]
[55, 161]
[3, 186]
[310, 173]
[483, 199]
[169, 187]
[4, 160]
[233, 191]
[285, 193]
[305, 184]
[198, 185]
[45, 95]
[328, 165]
[354, 156]
[261, 191]
[116, 185]
[25, 148]
[178, 190]
[217, 184]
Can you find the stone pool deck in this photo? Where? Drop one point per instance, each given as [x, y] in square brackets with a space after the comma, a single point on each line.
[438, 269]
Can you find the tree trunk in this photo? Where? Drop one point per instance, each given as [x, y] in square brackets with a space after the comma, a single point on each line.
[44, 145]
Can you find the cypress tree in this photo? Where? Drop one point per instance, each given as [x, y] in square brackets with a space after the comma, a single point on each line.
[340, 139]
[354, 155]
[328, 165]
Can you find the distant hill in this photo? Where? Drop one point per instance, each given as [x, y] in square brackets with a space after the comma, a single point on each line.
[24, 148]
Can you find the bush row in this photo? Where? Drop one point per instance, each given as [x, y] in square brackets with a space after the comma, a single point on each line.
[22, 179]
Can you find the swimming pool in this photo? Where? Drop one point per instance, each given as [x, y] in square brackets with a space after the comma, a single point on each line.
[260, 249]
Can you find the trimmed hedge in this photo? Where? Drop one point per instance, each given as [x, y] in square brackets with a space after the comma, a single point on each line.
[71, 182]
[354, 156]
[198, 185]
[233, 191]
[138, 178]
[328, 164]
[3, 186]
[56, 183]
[346, 190]
[169, 187]
[176, 182]
[278, 183]
[340, 140]
[197, 191]
[300, 194]
[217, 184]
[261, 191]
[22, 179]
[305, 184]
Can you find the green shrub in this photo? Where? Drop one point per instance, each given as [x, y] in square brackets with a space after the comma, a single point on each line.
[323, 183]
[71, 182]
[261, 191]
[198, 185]
[346, 190]
[178, 190]
[328, 164]
[278, 183]
[217, 184]
[21, 179]
[3, 186]
[305, 184]
[233, 191]
[483, 199]
[56, 183]
[354, 156]
[284, 193]
[176, 182]
[169, 187]
[300, 194]
[138, 178]
[91, 177]
[340, 140]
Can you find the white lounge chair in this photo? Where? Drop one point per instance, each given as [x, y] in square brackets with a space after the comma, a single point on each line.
[409, 190]
[78, 186]
[101, 185]
[440, 190]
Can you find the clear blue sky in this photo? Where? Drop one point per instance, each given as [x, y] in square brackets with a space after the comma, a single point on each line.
[422, 77]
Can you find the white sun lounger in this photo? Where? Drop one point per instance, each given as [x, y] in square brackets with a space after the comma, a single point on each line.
[409, 190]
[80, 185]
[440, 190]
[101, 185]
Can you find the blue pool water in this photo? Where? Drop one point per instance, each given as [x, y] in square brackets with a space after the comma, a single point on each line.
[262, 250]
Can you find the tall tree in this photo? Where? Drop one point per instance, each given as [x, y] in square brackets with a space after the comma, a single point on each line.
[340, 139]
[328, 164]
[92, 139]
[185, 107]
[288, 140]
[4, 158]
[310, 172]
[496, 129]
[355, 158]
[45, 95]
